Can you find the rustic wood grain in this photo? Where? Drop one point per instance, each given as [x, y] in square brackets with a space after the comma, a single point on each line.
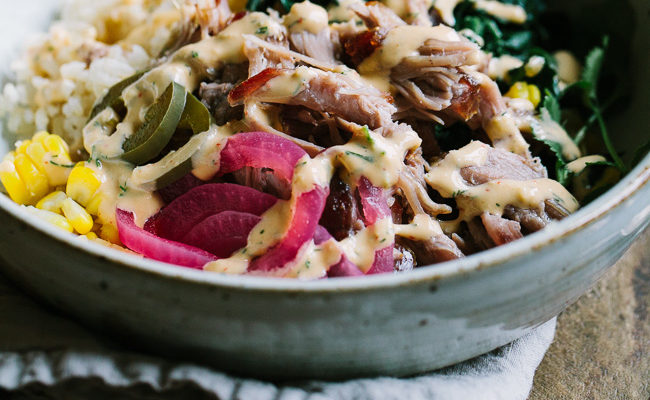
[602, 345]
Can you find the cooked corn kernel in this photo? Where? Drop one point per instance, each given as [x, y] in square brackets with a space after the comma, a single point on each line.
[518, 91]
[52, 202]
[522, 90]
[35, 181]
[80, 220]
[13, 184]
[53, 218]
[93, 205]
[82, 184]
[110, 234]
[91, 235]
[40, 136]
[534, 95]
[22, 145]
[36, 153]
[56, 145]
[38, 164]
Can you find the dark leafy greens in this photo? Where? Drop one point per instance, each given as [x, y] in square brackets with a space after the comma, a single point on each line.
[502, 37]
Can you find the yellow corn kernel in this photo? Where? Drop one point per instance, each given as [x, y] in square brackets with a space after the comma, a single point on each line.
[52, 202]
[109, 233]
[55, 166]
[91, 235]
[35, 181]
[13, 184]
[518, 91]
[22, 146]
[93, 205]
[52, 218]
[82, 184]
[56, 145]
[80, 220]
[36, 153]
[534, 95]
[39, 137]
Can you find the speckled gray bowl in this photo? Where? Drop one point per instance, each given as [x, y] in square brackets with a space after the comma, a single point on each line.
[391, 324]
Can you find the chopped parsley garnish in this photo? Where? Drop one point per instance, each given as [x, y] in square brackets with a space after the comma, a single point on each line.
[194, 55]
[361, 156]
[262, 30]
[61, 165]
[366, 133]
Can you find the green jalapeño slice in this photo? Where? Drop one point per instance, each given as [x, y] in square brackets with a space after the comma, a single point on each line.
[191, 131]
[196, 116]
[159, 125]
[113, 98]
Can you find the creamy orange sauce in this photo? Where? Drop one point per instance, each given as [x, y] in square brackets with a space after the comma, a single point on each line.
[492, 197]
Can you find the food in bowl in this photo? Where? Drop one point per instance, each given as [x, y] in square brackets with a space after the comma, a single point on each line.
[305, 141]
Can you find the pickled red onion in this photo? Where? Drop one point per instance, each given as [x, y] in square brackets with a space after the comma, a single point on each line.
[154, 247]
[222, 234]
[181, 215]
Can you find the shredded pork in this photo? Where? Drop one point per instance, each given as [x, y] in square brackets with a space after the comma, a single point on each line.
[442, 84]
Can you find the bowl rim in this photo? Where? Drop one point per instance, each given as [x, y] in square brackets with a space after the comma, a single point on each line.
[632, 183]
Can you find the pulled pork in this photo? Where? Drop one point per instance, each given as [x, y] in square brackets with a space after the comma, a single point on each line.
[441, 83]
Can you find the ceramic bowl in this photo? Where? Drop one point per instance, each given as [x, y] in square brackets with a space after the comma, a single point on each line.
[379, 325]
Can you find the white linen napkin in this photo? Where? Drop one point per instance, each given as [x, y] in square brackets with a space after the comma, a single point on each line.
[42, 352]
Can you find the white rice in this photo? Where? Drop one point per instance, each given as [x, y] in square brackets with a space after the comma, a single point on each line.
[61, 74]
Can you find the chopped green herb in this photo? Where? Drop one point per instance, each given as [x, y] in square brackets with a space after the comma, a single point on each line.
[307, 264]
[458, 193]
[61, 165]
[366, 133]
[262, 30]
[361, 156]
[194, 55]
[262, 232]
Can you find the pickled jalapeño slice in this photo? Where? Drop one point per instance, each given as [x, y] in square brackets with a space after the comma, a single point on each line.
[159, 125]
[196, 115]
[113, 98]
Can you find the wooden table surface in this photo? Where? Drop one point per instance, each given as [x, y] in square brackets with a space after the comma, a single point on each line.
[602, 344]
